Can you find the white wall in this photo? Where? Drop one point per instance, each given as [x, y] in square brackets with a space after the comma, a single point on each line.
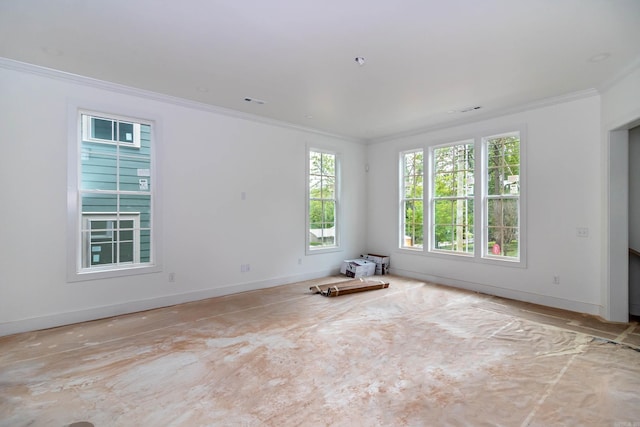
[620, 112]
[634, 220]
[563, 183]
[207, 160]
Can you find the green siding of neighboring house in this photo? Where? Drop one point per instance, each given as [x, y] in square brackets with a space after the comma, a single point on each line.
[99, 166]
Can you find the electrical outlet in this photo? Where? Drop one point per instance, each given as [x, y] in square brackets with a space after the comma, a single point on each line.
[582, 232]
[556, 280]
[245, 268]
[299, 261]
[172, 277]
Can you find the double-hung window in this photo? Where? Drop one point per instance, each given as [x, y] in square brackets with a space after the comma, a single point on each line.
[114, 195]
[452, 200]
[473, 198]
[412, 202]
[322, 200]
[501, 204]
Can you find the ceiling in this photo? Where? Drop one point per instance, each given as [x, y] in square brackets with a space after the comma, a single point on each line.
[425, 60]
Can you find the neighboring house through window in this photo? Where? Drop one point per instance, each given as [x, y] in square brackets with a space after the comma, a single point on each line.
[114, 195]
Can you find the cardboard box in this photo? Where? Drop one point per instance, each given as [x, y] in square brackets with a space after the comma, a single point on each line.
[358, 268]
[382, 262]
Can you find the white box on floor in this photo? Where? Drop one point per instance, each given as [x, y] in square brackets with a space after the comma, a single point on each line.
[382, 262]
[358, 268]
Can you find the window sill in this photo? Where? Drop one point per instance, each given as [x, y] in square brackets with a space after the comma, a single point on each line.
[97, 274]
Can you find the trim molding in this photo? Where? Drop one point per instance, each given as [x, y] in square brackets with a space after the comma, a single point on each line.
[95, 313]
[626, 71]
[64, 76]
[549, 301]
[541, 103]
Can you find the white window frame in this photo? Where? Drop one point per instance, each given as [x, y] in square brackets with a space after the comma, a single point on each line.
[403, 201]
[76, 129]
[433, 198]
[309, 249]
[486, 254]
[481, 251]
[87, 135]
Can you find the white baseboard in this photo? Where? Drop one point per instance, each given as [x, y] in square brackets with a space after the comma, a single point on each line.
[94, 313]
[546, 300]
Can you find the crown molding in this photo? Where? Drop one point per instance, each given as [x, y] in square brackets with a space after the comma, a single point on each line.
[626, 71]
[64, 76]
[541, 103]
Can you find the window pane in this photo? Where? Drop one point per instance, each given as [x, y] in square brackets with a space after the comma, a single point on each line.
[443, 236]
[125, 132]
[315, 213]
[444, 185]
[99, 203]
[315, 163]
[315, 186]
[413, 229]
[503, 165]
[126, 251]
[102, 129]
[328, 213]
[134, 172]
[135, 203]
[98, 167]
[328, 187]
[328, 164]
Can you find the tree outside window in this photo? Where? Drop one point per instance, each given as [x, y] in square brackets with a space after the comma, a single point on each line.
[322, 200]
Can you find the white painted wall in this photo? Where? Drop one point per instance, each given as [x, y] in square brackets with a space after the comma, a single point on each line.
[620, 112]
[563, 178]
[207, 160]
[634, 220]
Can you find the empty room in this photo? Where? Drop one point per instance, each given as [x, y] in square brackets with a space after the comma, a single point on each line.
[193, 193]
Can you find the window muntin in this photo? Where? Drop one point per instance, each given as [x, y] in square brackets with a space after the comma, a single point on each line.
[502, 197]
[110, 131]
[452, 200]
[115, 197]
[412, 202]
[465, 189]
[322, 206]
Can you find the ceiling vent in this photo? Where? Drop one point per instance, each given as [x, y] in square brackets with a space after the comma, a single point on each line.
[255, 101]
[468, 109]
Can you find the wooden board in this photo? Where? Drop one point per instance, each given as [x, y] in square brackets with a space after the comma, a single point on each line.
[348, 287]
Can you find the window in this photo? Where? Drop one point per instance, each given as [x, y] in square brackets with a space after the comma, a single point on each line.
[452, 198]
[114, 195]
[502, 196]
[110, 239]
[465, 190]
[110, 131]
[412, 222]
[322, 208]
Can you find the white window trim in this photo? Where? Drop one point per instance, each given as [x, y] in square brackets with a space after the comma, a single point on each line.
[75, 273]
[431, 200]
[401, 215]
[485, 254]
[478, 256]
[337, 246]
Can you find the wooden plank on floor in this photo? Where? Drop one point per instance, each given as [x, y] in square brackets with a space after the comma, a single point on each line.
[348, 287]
